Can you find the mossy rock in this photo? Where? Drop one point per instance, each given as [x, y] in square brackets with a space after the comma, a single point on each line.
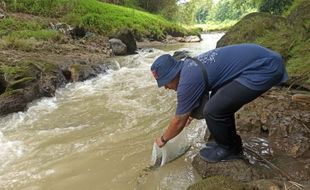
[21, 74]
[265, 184]
[17, 71]
[300, 15]
[274, 32]
[218, 183]
[81, 72]
[299, 64]
[21, 83]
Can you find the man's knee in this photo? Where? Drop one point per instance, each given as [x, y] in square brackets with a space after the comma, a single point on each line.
[209, 112]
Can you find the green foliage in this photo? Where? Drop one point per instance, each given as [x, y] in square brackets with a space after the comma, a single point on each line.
[106, 18]
[12, 42]
[201, 15]
[38, 34]
[11, 70]
[230, 10]
[275, 6]
[24, 35]
[217, 25]
[93, 15]
[226, 11]
[51, 8]
[10, 25]
[293, 7]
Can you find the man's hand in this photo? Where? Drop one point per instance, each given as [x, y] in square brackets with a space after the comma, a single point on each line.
[175, 127]
[159, 142]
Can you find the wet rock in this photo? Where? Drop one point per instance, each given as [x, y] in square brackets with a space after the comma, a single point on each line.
[127, 37]
[171, 39]
[238, 170]
[15, 101]
[107, 64]
[265, 184]
[61, 27]
[78, 32]
[181, 54]
[2, 14]
[26, 81]
[80, 72]
[48, 83]
[118, 47]
[3, 84]
[298, 169]
[285, 123]
[218, 183]
[190, 39]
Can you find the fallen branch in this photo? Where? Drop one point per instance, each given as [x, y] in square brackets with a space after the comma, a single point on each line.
[268, 163]
[262, 159]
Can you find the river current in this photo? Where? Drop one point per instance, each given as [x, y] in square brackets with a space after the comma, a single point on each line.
[99, 134]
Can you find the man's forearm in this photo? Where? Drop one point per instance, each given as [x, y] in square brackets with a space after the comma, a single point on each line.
[175, 127]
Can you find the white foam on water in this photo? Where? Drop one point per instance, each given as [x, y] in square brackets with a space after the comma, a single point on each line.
[35, 109]
[9, 151]
[51, 129]
[38, 108]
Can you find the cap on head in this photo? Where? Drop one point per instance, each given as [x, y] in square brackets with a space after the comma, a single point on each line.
[165, 68]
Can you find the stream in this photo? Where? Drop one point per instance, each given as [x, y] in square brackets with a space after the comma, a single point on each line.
[99, 134]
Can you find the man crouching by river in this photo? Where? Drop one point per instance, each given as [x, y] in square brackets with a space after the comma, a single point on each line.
[214, 86]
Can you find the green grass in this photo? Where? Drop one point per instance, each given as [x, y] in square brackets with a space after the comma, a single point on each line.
[48, 8]
[216, 25]
[24, 35]
[99, 17]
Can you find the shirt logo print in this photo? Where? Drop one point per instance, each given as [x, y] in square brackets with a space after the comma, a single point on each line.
[209, 57]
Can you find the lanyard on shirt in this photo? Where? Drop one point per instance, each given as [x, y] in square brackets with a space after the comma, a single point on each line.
[203, 70]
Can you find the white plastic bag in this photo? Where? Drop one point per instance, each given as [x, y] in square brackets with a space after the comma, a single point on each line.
[174, 148]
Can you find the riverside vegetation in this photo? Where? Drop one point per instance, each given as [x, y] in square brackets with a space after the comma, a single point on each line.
[71, 34]
[37, 56]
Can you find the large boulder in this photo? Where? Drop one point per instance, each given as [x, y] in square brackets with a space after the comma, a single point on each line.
[274, 32]
[285, 122]
[299, 63]
[300, 15]
[118, 47]
[127, 37]
[238, 170]
[218, 183]
[25, 81]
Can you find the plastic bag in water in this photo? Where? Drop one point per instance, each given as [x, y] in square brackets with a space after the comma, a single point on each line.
[174, 148]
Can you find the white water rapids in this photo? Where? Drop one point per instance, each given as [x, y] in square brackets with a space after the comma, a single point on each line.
[98, 134]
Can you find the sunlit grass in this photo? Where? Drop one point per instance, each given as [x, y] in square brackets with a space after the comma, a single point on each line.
[101, 18]
[216, 25]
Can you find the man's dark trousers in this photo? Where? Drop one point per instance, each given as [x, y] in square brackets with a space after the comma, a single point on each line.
[220, 109]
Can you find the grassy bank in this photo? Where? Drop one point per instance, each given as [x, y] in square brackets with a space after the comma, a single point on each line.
[216, 25]
[94, 16]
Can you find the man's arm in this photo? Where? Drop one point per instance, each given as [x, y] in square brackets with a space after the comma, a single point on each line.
[175, 127]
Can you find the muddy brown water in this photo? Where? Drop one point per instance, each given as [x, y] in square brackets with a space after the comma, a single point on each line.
[98, 134]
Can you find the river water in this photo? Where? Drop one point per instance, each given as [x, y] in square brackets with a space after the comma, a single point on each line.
[99, 134]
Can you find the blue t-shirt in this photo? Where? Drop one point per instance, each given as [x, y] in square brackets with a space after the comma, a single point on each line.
[253, 66]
